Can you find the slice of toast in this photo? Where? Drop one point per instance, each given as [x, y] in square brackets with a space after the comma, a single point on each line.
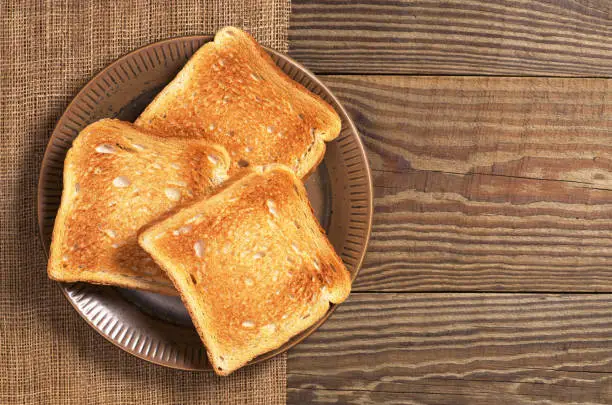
[118, 178]
[232, 93]
[254, 268]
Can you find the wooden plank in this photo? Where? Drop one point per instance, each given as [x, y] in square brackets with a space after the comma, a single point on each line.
[458, 348]
[508, 37]
[486, 184]
[558, 129]
[441, 232]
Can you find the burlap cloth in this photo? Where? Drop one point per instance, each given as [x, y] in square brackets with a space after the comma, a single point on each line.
[48, 51]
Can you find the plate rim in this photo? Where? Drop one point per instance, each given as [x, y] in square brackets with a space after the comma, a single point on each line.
[207, 38]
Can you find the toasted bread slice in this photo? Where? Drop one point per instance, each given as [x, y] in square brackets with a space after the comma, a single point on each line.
[255, 267]
[118, 178]
[232, 93]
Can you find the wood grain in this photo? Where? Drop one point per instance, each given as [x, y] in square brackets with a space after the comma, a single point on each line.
[508, 37]
[486, 184]
[557, 129]
[458, 349]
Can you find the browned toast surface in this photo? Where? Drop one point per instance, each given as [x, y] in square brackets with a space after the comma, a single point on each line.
[232, 93]
[118, 178]
[252, 264]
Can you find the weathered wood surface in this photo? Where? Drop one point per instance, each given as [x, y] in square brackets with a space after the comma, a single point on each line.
[508, 37]
[486, 184]
[556, 129]
[482, 184]
[458, 349]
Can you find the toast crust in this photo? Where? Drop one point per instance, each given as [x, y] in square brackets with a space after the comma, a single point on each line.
[118, 178]
[232, 93]
[254, 270]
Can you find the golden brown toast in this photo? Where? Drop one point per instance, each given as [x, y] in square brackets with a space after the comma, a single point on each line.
[252, 264]
[232, 93]
[118, 178]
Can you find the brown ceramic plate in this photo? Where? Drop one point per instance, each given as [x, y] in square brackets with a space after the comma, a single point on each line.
[154, 327]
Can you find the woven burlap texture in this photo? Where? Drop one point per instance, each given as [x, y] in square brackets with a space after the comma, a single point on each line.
[48, 51]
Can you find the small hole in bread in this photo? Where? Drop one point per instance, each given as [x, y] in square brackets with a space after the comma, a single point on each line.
[172, 194]
[213, 159]
[198, 247]
[271, 207]
[105, 148]
[182, 230]
[111, 233]
[248, 324]
[121, 182]
[243, 163]
[193, 280]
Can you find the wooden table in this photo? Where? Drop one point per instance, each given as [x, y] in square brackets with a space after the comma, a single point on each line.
[489, 131]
